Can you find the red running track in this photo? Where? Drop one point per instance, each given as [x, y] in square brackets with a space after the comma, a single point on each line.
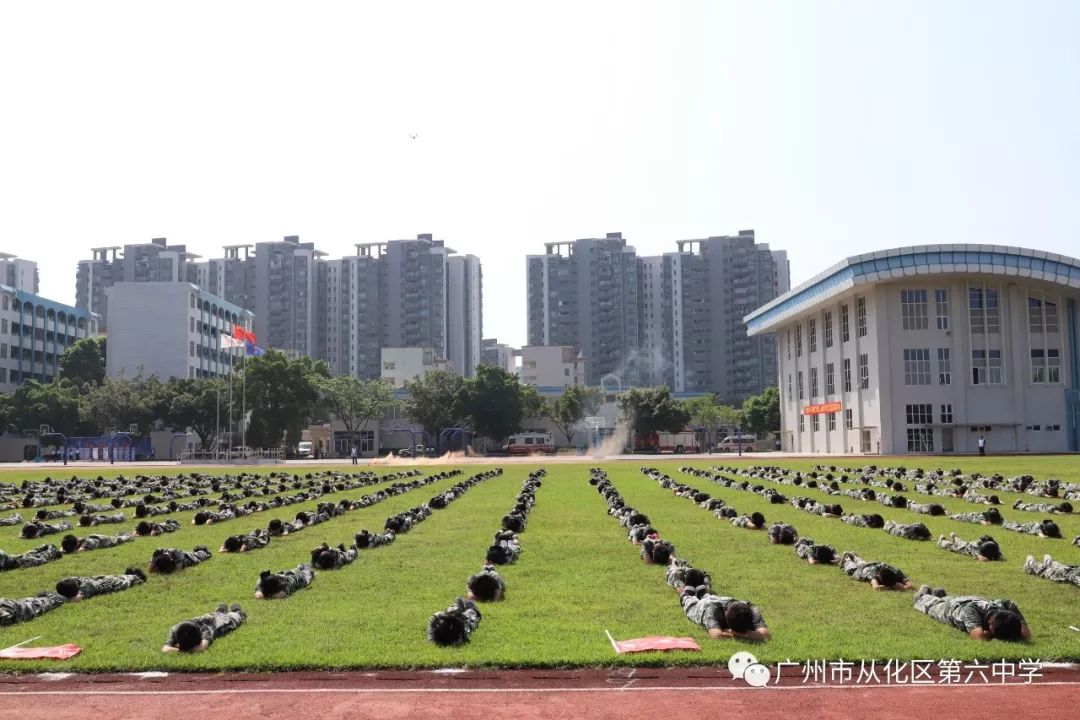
[518, 695]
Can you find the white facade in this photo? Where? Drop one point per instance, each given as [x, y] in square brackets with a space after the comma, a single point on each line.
[19, 273]
[170, 330]
[34, 333]
[464, 312]
[498, 355]
[400, 365]
[926, 349]
[551, 366]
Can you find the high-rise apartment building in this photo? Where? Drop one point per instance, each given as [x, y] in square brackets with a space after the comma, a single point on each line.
[464, 312]
[584, 294]
[15, 272]
[497, 354]
[155, 261]
[286, 295]
[693, 301]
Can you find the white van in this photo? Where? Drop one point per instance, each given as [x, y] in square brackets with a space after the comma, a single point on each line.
[732, 442]
[303, 449]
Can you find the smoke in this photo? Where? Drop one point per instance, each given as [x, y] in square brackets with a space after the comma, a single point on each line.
[448, 458]
[615, 443]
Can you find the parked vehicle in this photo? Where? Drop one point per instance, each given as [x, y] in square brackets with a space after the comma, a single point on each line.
[418, 451]
[528, 443]
[661, 442]
[732, 443]
[303, 449]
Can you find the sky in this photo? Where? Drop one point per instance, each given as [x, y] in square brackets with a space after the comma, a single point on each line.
[830, 128]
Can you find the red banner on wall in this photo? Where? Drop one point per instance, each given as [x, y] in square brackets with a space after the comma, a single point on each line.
[821, 409]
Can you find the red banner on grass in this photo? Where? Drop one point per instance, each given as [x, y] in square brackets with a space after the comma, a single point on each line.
[59, 652]
[657, 642]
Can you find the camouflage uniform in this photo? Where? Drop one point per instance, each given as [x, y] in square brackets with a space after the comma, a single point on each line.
[31, 558]
[864, 571]
[963, 612]
[1035, 507]
[100, 542]
[1032, 528]
[16, 611]
[104, 584]
[805, 547]
[1076, 541]
[856, 520]
[341, 557]
[374, 540]
[960, 547]
[255, 540]
[743, 521]
[971, 517]
[165, 526]
[914, 531]
[778, 527]
[1053, 570]
[923, 508]
[11, 520]
[293, 580]
[47, 529]
[213, 625]
[708, 611]
[469, 614]
[490, 570]
[183, 558]
[102, 519]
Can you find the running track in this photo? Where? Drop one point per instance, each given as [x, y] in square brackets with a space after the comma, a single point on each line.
[516, 695]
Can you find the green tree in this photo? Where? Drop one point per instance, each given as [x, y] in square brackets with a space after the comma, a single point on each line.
[355, 402]
[494, 401]
[436, 401]
[120, 402]
[197, 403]
[761, 413]
[570, 408]
[84, 362]
[34, 403]
[280, 396]
[709, 413]
[652, 409]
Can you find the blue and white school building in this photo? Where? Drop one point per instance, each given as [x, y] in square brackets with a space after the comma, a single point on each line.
[925, 349]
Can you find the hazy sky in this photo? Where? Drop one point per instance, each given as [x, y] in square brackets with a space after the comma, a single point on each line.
[831, 128]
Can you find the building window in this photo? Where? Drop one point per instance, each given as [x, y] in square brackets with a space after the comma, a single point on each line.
[813, 383]
[984, 310]
[847, 374]
[848, 419]
[815, 422]
[864, 371]
[1053, 366]
[798, 341]
[1035, 315]
[1050, 317]
[917, 366]
[913, 309]
[802, 425]
[788, 344]
[831, 424]
[845, 330]
[789, 387]
[920, 440]
[946, 414]
[828, 330]
[191, 349]
[944, 366]
[995, 367]
[941, 302]
[830, 379]
[978, 367]
[812, 331]
[1038, 366]
[860, 316]
[800, 384]
[920, 414]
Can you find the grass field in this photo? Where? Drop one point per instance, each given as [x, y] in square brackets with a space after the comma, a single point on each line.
[576, 577]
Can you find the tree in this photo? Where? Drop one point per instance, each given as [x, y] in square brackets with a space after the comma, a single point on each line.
[652, 409]
[709, 413]
[355, 402]
[576, 402]
[761, 413]
[34, 403]
[195, 403]
[436, 401]
[494, 401]
[281, 394]
[84, 362]
[120, 402]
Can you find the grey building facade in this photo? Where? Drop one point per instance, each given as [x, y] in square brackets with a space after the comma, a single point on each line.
[584, 294]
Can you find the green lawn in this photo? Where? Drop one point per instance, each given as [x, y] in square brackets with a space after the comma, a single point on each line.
[576, 577]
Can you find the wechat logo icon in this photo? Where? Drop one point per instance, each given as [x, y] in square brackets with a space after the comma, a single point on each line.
[744, 665]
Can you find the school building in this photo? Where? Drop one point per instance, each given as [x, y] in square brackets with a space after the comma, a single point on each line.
[924, 349]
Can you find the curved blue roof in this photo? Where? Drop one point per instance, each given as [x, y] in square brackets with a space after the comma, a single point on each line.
[915, 260]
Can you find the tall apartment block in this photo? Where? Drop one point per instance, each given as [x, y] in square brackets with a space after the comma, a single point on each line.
[285, 295]
[693, 301]
[15, 272]
[155, 261]
[400, 294]
[584, 294]
[231, 277]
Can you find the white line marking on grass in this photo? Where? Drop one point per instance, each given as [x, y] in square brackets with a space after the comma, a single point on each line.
[148, 675]
[448, 671]
[518, 691]
[52, 677]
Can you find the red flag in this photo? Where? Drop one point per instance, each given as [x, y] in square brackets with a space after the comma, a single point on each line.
[60, 652]
[243, 334]
[656, 642]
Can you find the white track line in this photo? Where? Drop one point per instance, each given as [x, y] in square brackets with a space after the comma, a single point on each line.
[513, 691]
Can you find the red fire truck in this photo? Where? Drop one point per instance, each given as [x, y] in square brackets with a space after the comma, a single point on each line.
[661, 442]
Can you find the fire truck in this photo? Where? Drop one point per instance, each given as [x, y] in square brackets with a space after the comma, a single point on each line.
[662, 442]
[529, 443]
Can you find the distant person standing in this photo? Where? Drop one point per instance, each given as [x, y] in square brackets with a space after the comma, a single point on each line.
[354, 453]
[982, 445]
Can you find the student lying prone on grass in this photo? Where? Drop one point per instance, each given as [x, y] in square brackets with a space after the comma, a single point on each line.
[196, 634]
[723, 617]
